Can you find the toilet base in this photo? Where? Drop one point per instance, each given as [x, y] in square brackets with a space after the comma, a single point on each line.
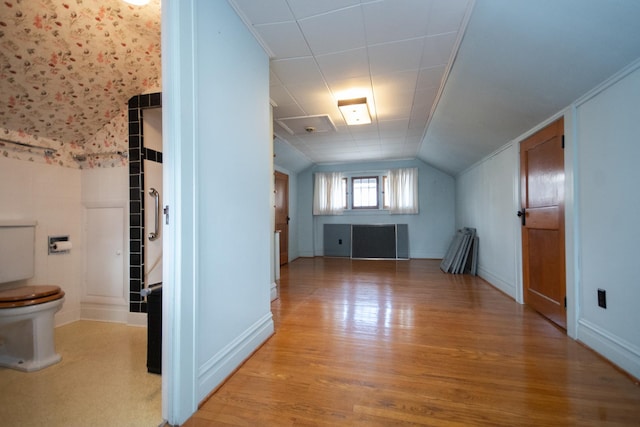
[7, 361]
[27, 337]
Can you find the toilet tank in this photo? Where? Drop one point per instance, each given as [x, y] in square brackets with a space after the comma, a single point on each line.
[17, 250]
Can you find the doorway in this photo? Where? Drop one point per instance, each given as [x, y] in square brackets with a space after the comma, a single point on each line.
[542, 220]
[141, 156]
[282, 213]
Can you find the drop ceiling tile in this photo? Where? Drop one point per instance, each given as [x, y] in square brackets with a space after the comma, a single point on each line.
[404, 81]
[344, 65]
[305, 8]
[296, 70]
[425, 97]
[273, 79]
[437, 50]
[285, 40]
[313, 96]
[397, 56]
[446, 16]
[430, 77]
[395, 20]
[280, 95]
[393, 128]
[262, 12]
[335, 31]
[292, 110]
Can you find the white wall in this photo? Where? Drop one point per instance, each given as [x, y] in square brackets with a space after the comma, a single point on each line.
[218, 175]
[608, 204]
[486, 199]
[430, 231]
[49, 194]
[601, 133]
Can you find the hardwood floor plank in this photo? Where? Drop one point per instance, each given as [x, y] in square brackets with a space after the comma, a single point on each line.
[366, 343]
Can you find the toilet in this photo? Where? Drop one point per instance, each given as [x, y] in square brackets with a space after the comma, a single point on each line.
[26, 311]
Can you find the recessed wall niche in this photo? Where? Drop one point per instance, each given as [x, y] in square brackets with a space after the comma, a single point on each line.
[137, 153]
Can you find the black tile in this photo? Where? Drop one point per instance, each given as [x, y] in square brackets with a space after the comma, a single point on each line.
[135, 246]
[134, 102]
[134, 307]
[143, 307]
[134, 141]
[135, 220]
[134, 207]
[134, 115]
[134, 234]
[134, 168]
[155, 99]
[144, 101]
[134, 155]
[135, 288]
[134, 259]
[134, 181]
[134, 129]
[135, 284]
[135, 272]
[159, 157]
[134, 194]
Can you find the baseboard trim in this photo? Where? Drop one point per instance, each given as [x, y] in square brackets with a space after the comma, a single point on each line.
[104, 313]
[623, 354]
[137, 319]
[64, 317]
[274, 291]
[216, 370]
[497, 282]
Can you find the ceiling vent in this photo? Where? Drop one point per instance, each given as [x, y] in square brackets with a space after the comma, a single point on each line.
[304, 125]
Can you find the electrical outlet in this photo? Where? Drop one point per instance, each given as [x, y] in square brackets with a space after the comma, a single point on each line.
[602, 298]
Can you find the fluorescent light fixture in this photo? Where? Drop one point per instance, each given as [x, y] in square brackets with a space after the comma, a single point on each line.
[355, 111]
[137, 2]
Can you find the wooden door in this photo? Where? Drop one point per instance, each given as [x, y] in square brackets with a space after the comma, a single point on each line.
[542, 216]
[282, 214]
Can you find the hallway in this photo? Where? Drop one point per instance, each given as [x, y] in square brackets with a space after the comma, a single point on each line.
[388, 343]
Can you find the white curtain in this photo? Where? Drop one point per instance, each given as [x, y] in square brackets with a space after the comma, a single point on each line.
[403, 189]
[328, 194]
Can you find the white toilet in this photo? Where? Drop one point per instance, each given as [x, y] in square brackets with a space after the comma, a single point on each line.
[26, 312]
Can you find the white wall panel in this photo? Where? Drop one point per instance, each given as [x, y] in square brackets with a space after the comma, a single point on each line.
[486, 200]
[608, 205]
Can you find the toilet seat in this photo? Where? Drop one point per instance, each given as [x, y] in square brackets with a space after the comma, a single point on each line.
[29, 295]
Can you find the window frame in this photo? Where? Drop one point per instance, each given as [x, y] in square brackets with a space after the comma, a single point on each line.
[377, 191]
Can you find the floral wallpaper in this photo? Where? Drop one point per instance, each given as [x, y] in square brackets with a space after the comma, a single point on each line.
[67, 70]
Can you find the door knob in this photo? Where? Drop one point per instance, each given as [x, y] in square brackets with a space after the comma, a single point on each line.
[523, 215]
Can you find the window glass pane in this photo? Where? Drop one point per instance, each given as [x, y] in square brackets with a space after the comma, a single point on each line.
[365, 192]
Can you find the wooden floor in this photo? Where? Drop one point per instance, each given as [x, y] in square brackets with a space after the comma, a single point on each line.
[378, 343]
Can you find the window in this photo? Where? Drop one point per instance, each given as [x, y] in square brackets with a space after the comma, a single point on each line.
[365, 192]
[395, 190]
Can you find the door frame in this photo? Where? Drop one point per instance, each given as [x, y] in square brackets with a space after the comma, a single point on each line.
[570, 216]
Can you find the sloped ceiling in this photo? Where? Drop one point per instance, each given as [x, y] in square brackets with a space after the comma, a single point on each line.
[520, 62]
[447, 93]
[68, 67]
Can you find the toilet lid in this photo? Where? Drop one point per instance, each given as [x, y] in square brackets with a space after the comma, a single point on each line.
[28, 293]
